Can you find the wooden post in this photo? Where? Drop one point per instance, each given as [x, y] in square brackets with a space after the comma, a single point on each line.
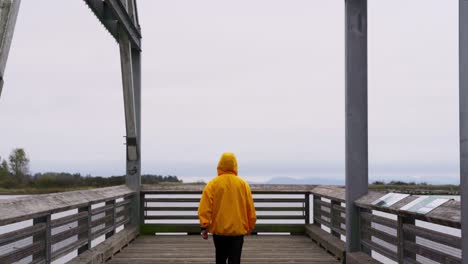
[142, 208]
[46, 238]
[131, 81]
[8, 14]
[333, 218]
[402, 237]
[356, 116]
[307, 208]
[85, 222]
[317, 209]
[463, 97]
[365, 225]
[113, 213]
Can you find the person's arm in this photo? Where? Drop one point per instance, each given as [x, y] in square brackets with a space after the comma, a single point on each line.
[204, 210]
[251, 214]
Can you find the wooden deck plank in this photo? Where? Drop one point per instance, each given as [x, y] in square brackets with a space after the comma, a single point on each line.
[192, 249]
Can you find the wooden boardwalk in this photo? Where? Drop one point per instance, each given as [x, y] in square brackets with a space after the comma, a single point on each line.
[193, 249]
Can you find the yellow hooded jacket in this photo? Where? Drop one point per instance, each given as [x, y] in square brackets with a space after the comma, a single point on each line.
[226, 206]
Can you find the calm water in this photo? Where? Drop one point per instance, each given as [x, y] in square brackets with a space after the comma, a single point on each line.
[4, 229]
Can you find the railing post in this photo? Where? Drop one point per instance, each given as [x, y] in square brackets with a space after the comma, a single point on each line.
[402, 237]
[333, 218]
[363, 225]
[85, 222]
[46, 238]
[113, 213]
[317, 209]
[307, 208]
[142, 208]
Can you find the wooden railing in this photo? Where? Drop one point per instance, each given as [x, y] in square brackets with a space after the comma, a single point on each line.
[329, 211]
[44, 228]
[409, 237]
[48, 227]
[280, 208]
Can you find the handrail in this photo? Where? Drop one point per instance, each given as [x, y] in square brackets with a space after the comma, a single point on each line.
[24, 208]
[198, 188]
[157, 199]
[45, 237]
[403, 240]
[286, 208]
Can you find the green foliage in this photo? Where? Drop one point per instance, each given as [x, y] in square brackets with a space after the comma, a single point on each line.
[399, 183]
[16, 175]
[155, 179]
[64, 179]
[19, 165]
[3, 169]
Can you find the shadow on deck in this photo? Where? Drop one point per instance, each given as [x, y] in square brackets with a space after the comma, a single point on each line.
[193, 249]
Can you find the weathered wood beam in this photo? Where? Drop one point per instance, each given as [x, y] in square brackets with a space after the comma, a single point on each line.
[105, 250]
[128, 91]
[256, 189]
[463, 97]
[8, 13]
[19, 209]
[356, 116]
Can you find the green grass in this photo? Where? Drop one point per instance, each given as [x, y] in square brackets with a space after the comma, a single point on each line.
[420, 188]
[32, 190]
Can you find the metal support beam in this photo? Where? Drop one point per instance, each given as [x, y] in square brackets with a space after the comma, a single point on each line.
[8, 13]
[356, 116]
[113, 14]
[463, 97]
[103, 13]
[121, 14]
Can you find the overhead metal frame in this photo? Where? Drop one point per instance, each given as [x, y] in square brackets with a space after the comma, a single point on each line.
[120, 18]
[115, 14]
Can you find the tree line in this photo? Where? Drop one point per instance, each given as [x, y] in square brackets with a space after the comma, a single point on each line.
[14, 173]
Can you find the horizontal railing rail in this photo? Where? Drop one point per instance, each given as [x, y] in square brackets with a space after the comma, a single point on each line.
[410, 237]
[329, 211]
[280, 208]
[45, 228]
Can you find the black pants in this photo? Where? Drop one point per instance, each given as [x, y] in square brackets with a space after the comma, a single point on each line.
[228, 248]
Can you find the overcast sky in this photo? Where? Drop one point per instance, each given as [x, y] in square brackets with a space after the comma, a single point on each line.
[263, 79]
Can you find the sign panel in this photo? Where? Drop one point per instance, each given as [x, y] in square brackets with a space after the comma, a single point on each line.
[424, 204]
[389, 199]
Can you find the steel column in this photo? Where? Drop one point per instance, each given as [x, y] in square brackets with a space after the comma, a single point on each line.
[8, 13]
[463, 97]
[356, 116]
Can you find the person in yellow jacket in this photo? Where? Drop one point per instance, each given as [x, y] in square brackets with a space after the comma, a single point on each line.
[227, 211]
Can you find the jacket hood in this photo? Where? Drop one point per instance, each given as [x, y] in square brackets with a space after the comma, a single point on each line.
[227, 164]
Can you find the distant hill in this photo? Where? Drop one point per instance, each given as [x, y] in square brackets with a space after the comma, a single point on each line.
[311, 180]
